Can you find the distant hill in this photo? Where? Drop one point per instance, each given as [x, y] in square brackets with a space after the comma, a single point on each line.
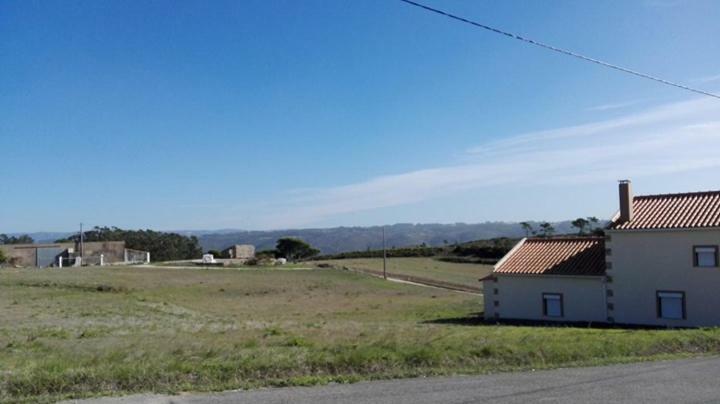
[343, 239]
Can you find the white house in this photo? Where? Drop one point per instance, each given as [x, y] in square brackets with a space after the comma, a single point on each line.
[657, 265]
[560, 279]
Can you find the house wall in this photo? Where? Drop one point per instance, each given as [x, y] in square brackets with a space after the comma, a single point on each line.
[520, 297]
[112, 251]
[25, 255]
[644, 262]
[20, 255]
[488, 286]
[242, 251]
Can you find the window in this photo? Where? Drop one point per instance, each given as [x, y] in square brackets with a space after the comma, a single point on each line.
[671, 305]
[552, 304]
[705, 256]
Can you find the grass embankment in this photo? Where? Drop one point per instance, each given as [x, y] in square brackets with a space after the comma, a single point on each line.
[421, 267]
[91, 331]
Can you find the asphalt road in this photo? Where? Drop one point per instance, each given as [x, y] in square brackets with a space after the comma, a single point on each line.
[684, 381]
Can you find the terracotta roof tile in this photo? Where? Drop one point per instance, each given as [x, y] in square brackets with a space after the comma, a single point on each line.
[556, 256]
[674, 211]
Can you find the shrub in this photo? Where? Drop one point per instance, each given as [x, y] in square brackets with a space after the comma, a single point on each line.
[266, 254]
[295, 249]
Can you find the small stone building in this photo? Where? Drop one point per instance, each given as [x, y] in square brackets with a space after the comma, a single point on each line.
[240, 251]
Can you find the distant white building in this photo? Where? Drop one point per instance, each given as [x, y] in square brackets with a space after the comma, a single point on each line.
[208, 259]
[657, 265]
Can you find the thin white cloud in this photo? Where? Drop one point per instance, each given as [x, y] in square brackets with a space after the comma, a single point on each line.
[663, 3]
[666, 139]
[612, 106]
[663, 117]
[708, 79]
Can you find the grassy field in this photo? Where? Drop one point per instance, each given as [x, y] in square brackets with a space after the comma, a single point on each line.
[191, 264]
[462, 274]
[92, 331]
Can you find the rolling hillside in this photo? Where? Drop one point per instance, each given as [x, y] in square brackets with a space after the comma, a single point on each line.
[342, 239]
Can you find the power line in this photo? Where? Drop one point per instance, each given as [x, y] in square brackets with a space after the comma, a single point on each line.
[559, 50]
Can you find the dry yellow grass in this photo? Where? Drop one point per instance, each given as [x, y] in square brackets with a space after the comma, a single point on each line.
[423, 267]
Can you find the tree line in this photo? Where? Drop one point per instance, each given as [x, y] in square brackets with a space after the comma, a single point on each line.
[24, 239]
[161, 245]
[485, 251]
[589, 226]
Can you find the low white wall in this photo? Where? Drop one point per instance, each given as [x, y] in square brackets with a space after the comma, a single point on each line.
[520, 297]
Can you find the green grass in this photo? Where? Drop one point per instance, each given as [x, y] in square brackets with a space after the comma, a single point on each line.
[191, 264]
[84, 332]
[461, 274]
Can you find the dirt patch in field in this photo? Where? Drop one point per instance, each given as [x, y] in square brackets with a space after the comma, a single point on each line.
[77, 287]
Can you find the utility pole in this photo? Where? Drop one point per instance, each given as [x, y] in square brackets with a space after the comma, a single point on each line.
[82, 245]
[384, 255]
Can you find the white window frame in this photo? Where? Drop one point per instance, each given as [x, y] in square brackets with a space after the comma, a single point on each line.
[711, 249]
[558, 297]
[665, 296]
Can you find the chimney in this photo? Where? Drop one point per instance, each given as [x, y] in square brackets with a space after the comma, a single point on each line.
[626, 198]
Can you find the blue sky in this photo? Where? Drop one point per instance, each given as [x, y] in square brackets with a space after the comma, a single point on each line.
[278, 114]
